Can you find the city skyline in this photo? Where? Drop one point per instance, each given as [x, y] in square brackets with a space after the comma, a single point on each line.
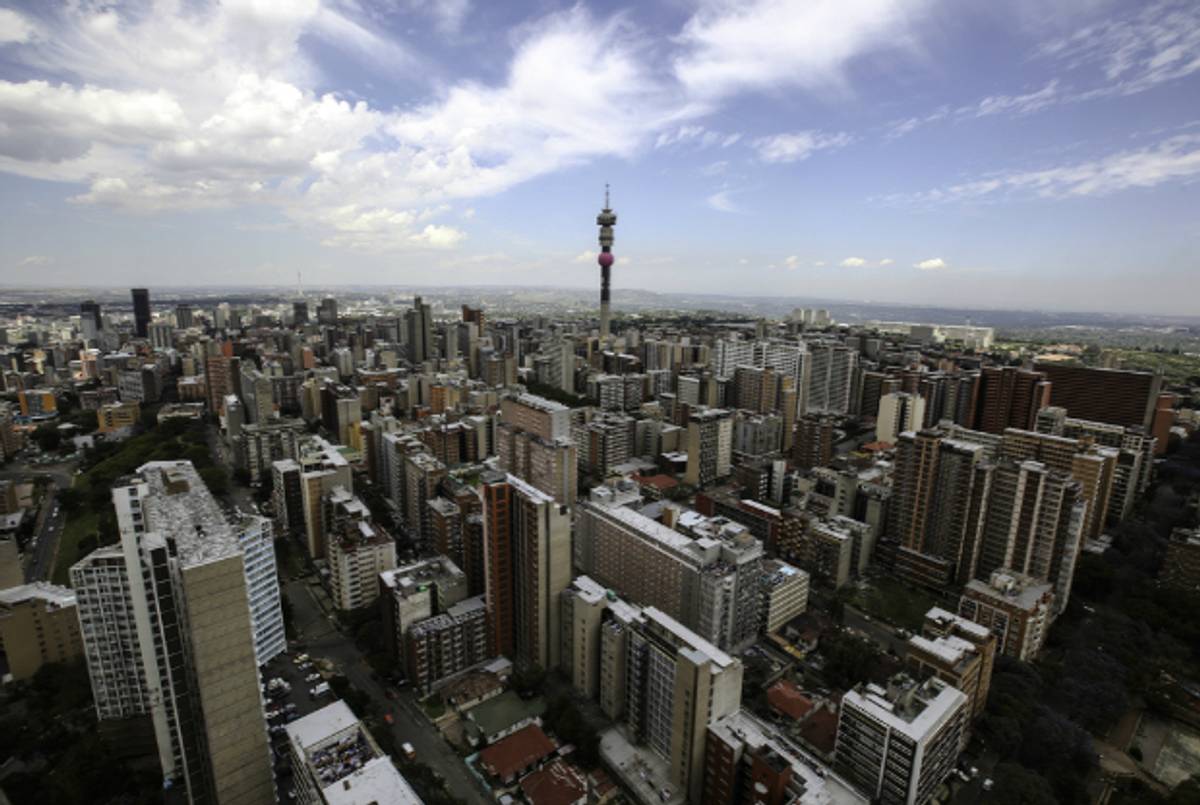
[904, 153]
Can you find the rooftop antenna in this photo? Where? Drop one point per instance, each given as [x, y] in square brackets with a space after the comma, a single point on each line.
[606, 204]
[299, 286]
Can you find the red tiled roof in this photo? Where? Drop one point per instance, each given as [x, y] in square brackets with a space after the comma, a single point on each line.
[555, 784]
[662, 482]
[516, 752]
[820, 730]
[785, 697]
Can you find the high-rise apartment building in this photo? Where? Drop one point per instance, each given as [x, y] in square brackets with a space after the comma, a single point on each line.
[1094, 468]
[814, 441]
[38, 625]
[527, 565]
[358, 552]
[940, 493]
[676, 684]
[1033, 526]
[1115, 396]
[1010, 397]
[447, 644]
[170, 620]
[899, 412]
[709, 446]
[713, 585]
[831, 378]
[141, 311]
[534, 444]
[899, 743]
[222, 377]
[958, 651]
[1016, 608]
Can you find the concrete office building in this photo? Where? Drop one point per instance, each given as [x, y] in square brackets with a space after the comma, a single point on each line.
[527, 565]
[335, 761]
[712, 584]
[899, 743]
[784, 594]
[38, 625]
[167, 620]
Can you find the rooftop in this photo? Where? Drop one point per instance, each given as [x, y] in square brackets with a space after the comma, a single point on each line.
[41, 591]
[913, 708]
[516, 752]
[374, 783]
[179, 504]
[785, 697]
[556, 783]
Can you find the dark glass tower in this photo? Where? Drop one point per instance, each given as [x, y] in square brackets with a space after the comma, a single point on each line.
[141, 312]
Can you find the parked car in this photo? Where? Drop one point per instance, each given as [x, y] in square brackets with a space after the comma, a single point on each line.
[408, 750]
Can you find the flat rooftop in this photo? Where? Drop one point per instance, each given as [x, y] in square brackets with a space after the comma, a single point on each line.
[179, 504]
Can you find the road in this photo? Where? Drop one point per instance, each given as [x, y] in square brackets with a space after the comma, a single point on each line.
[321, 640]
[40, 552]
[881, 633]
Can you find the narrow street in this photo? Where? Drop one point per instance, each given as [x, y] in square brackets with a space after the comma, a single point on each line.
[316, 630]
[39, 553]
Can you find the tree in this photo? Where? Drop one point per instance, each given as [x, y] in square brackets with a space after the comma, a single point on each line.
[1186, 793]
[47, 437]
[1016, 785]
[216, 479]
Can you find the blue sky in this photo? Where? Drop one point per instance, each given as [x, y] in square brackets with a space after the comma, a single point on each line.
[1019, 154]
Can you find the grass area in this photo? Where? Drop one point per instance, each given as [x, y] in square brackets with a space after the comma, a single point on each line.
[1178, 368]
[892, 602]
[77, 527]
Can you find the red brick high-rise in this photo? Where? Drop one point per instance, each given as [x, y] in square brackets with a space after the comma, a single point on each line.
[1010, 397]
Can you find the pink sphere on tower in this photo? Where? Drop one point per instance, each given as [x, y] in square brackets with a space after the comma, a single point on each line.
[605, 259]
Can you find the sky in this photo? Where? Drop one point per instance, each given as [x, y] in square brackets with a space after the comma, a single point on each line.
[955, 152]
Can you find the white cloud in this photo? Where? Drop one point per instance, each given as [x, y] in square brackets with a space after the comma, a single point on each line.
[35, 260]
[792, 262]
[209, 106]
[14, 28]
[900, 128]
[932, 264]
[1156, 43]
[887, 261]
[1015, 104]
[721, 202]
[798, 145]
[1176, 159]
[696, 135]
[819, 263]
[764, 44]
[853, 262]
[584, 257]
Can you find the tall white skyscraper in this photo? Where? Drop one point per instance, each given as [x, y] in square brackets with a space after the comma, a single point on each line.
[171, 620]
